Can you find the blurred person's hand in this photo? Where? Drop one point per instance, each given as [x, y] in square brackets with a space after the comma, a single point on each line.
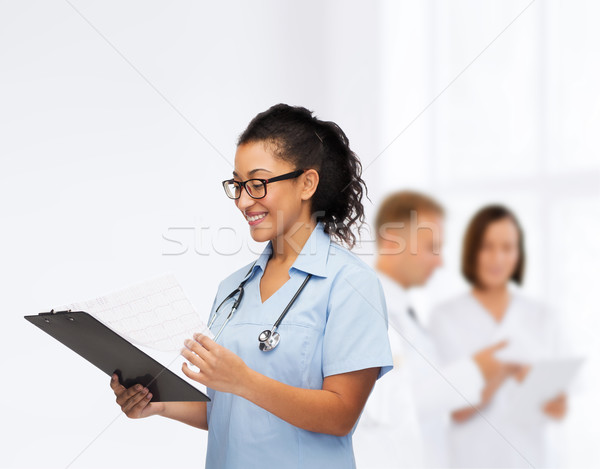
[135, 400]
[557, 407]
[490, 367]
[494, 372]
[521, 372]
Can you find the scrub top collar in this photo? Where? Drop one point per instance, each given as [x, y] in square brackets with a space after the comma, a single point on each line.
[312, 258]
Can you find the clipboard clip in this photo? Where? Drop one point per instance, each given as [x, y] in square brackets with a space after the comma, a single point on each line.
[54, 312]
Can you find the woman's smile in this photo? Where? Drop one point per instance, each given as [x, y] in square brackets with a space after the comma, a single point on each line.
[254, 218]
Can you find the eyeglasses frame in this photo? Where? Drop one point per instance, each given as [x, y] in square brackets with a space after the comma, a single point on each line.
[282, 177]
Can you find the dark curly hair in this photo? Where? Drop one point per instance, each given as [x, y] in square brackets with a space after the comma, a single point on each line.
[295, 135]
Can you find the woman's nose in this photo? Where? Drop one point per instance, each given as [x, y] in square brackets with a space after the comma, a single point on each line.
[245, 200]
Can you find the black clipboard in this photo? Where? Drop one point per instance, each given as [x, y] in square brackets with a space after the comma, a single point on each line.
[110, 352]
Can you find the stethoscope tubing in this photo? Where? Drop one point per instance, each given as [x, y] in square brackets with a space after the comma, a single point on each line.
[240, 290]
[289, 305]
[236, 303]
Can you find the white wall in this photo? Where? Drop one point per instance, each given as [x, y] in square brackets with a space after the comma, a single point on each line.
[118, 122]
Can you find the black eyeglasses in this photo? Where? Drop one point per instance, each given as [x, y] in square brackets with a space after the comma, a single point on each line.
[256, 188]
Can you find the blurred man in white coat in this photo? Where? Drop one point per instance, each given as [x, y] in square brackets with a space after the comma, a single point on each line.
[404, 421]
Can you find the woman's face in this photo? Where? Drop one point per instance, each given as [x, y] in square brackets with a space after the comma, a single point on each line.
[499, 254]
[282, 207]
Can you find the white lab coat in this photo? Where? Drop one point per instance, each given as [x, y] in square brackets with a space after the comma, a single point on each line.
[403, 424]
[496, 438]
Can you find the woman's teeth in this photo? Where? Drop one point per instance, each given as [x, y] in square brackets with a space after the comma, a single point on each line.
[257, 217]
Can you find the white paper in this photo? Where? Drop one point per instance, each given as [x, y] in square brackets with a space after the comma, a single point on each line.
[548, 378]
[155, 314]
[173, 361]
[545, 381]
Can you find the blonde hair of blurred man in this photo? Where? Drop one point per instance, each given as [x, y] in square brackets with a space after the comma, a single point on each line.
[409, 237]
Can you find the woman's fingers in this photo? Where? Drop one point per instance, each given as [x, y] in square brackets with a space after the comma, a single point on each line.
[115, 385]
[126, 394]
[197, 354]
[219, 368]
[205, 341]
[121, 392]
[557, 407]
[132, 400]
[137, 402]
[142, 408]
[522, 373]
[196, 376]
[193, 358]
[198, 348]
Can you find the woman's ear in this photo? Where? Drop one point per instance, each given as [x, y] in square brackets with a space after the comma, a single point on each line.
[310, 181]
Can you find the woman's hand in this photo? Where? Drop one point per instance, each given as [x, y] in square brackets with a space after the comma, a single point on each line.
[135, 401]
[557, 407]
[219, 368]
[495, 373]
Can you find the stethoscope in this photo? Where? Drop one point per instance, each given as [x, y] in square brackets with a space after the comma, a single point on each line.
[267, 339]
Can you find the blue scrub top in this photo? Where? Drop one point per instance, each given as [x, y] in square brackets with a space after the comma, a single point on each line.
[337, 324]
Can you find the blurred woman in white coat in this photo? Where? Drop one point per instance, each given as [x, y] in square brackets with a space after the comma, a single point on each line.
[493, 435]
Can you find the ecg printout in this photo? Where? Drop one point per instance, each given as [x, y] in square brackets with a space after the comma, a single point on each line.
[155, 314]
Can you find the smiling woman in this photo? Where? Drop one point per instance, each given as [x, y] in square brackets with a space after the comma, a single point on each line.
[294, 395]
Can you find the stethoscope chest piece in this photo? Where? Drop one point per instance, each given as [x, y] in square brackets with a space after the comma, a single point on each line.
[268, 340]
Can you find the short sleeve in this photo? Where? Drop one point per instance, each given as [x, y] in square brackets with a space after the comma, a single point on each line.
[356, 334]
